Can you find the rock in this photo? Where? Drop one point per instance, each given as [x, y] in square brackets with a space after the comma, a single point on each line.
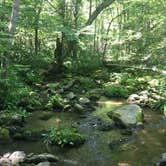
[134, 98]
[5, 162]
[78, 107]
[4, 134]
[45, 116]
[16, 120]
[127, 116]
[164, 156]
[105, 126]
[6, 155]
[94, 94]
[70, 162]
[71, 96]
[42, 158]
[46, 163]
[17, 157]
[84, 100]
[162, 162]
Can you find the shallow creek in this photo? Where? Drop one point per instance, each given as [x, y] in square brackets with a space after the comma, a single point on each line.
[143, 148]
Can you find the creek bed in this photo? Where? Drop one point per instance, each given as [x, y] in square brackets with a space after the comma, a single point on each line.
[142, 149]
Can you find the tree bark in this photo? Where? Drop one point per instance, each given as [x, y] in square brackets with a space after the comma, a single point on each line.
[14, 17]
[98, 10]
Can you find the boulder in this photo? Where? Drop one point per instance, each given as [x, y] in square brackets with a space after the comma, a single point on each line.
[17, 157]
[127, 116]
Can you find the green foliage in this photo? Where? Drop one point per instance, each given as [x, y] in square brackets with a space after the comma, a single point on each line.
[55, 102]
[14, 92]
[116, 91]
[4, 134]
[63, 137]
[86, 62]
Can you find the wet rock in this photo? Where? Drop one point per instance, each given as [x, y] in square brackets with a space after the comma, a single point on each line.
[127, 132]
[114, 144]
[17, 157]
[84, 100]
[45, 116]
[105, 126]
[127, 116]
[42, 158]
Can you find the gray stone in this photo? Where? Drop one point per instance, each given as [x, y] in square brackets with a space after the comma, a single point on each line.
[84, 100]
[46, 163]
[71, 96]
[78, 107]
[42, 158]
[127, 116]
[17, 157]
[5, 161]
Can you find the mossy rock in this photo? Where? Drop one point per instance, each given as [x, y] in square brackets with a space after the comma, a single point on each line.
[4, 134]
[127, 116]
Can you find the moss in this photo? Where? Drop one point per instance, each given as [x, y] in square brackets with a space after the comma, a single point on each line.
[139, 117]
[4, 134]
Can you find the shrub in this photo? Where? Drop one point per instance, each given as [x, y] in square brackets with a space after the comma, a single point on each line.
[116, 91]
[63, 137]
[54, 102]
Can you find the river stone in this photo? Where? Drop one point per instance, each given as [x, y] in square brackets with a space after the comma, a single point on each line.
[17, 157]
[42, 158]
[5, 162]
[78, 107]
[133, 99]
[46, 163]
[127, 116]
[71, 96]
[84, 100]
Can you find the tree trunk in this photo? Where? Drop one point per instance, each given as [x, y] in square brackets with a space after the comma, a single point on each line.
[14, 17]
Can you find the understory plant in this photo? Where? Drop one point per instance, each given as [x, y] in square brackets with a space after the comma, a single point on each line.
[54, 101]
[63, 137]
[116, 91]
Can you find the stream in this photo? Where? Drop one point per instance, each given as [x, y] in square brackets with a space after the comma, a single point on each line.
[143, 148]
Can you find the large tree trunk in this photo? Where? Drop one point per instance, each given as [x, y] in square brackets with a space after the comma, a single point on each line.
[14, 17]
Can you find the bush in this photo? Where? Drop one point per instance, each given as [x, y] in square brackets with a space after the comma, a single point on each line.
[63, 137]
[116, 91]
[14, 93]
[55, 102]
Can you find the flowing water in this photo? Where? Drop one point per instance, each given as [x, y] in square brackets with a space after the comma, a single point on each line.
[143, 148]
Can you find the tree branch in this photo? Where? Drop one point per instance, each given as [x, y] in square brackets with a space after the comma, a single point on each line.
[98, 10]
